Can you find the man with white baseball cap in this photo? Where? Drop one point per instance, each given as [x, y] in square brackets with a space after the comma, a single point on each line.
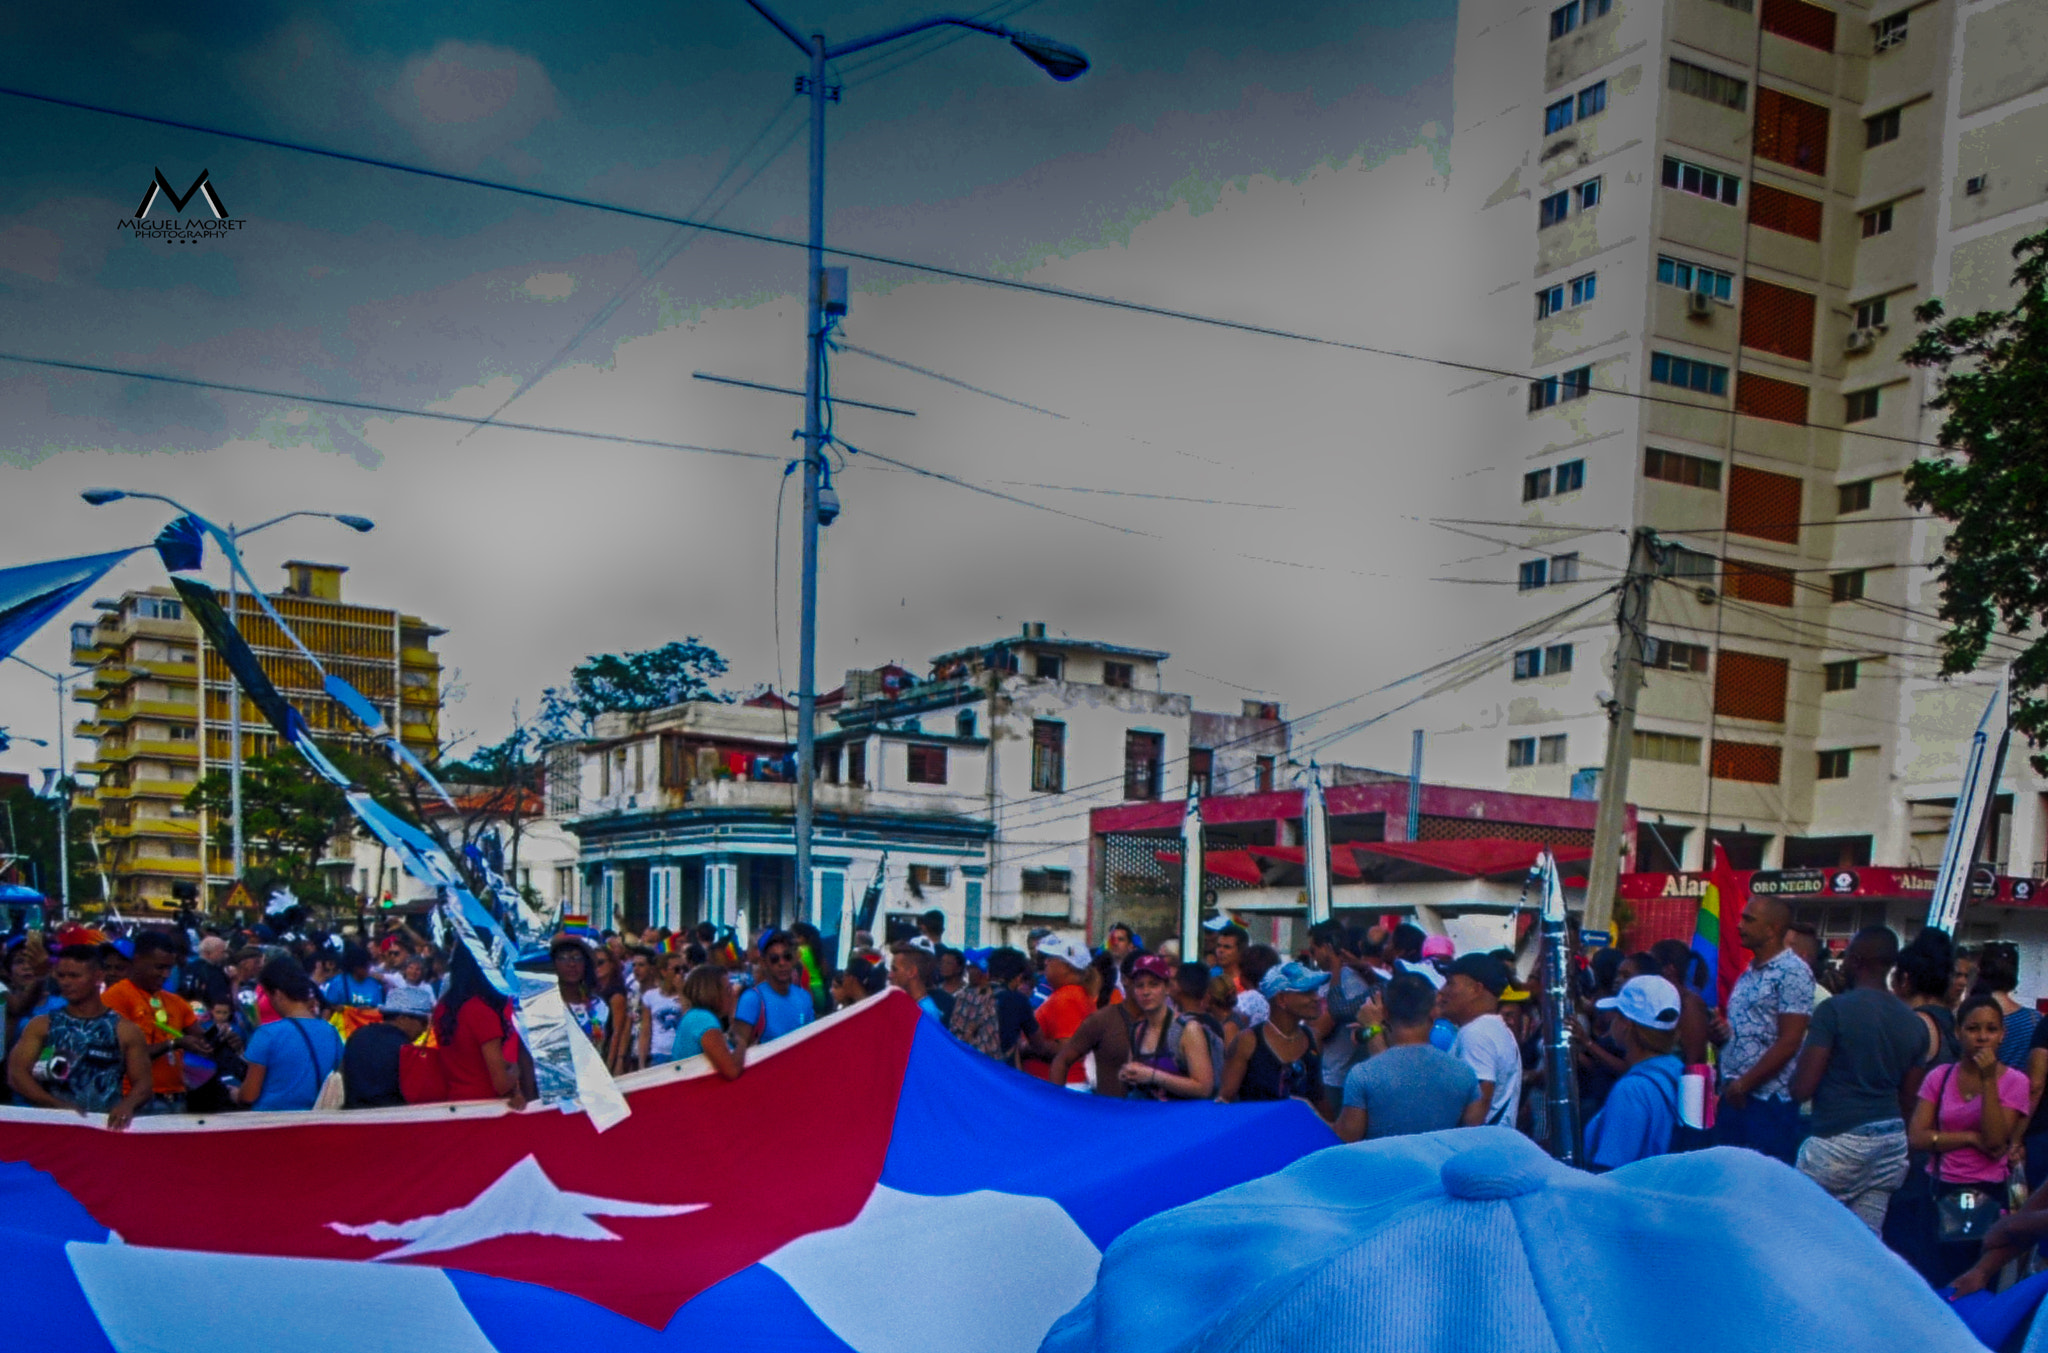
[1641, 1112]
[1066, 963]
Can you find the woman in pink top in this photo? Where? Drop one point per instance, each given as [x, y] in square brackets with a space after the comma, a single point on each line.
[1970, 1114]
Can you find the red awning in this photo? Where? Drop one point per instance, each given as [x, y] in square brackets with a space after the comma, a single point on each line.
[1481, 857]
[1342, 864]
[1235, 865]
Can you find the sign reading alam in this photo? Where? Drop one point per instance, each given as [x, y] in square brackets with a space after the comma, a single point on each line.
[1866, 882]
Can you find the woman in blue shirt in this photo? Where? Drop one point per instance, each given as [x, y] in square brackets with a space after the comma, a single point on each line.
[353, 985]
[1641, 1112]
[291, 1057]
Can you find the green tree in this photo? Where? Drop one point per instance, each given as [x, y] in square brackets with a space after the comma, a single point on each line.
[630, 683]
[30, 824]
[1993, 486]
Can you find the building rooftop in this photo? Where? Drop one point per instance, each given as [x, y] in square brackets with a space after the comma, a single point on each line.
[1040, 640]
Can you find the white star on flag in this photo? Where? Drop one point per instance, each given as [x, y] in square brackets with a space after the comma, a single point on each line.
[523, 1201]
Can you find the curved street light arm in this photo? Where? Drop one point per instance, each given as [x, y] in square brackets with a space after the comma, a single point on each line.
[782, 26]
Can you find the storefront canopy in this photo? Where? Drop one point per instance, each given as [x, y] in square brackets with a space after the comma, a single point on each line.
[1478, 857]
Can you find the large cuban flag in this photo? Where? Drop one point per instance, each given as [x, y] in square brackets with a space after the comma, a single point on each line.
[869, 1184]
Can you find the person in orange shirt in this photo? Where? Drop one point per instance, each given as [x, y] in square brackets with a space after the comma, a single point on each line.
[164, 1017]
[1066, 967]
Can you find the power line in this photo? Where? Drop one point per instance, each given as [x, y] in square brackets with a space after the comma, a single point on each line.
[1157, 497]
[864, 256]
[366, 406]
[682, 239]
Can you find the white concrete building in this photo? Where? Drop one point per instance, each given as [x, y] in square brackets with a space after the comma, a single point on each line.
[1700, 227]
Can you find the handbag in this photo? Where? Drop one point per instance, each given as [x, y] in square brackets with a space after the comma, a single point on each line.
[1963, 1213]
[333, 1091]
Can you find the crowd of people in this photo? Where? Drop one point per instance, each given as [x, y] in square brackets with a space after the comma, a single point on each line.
[1903, 1080]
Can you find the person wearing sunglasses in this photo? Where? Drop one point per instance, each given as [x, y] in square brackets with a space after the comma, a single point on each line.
[774, 1005]
[168, 1023]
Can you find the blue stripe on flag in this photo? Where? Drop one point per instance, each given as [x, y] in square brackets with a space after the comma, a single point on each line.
[964, 1122]
[752, 1310]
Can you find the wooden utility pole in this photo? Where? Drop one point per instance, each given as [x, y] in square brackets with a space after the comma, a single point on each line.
[1604, 876]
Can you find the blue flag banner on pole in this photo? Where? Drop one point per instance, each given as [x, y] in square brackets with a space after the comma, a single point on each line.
[32, 594]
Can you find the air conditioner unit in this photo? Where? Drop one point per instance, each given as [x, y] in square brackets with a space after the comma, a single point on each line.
[1859, 340]
[1699, 305]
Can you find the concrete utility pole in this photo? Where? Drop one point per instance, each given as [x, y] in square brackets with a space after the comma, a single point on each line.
[820, 505]
[1604, 875]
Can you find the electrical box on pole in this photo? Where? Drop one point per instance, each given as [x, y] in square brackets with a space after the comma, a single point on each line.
[832, 292]
[1603, 875]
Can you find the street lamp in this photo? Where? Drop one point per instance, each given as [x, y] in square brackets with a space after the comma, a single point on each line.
[1056, 59]
[100, 497]
[63, 787]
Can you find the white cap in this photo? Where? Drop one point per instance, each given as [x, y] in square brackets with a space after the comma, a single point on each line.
[1649, 1001]
[1068, 951]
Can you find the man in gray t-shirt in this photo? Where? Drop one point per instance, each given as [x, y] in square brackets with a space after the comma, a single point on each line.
[1411, 1087]
[1861, 1067]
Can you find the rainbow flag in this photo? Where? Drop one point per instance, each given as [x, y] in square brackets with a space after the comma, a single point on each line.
[1713, 931]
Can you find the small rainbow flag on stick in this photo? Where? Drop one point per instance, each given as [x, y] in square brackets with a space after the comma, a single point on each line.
[1720, 904]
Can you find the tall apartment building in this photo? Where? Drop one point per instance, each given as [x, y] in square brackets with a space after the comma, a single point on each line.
[1726, 211]
[155, 736]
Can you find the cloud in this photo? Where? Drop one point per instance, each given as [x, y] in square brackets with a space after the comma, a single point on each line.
[32, 251]
[466, 102]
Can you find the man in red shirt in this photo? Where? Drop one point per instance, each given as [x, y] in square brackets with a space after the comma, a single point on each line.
[1066, 961]
[164, 1017]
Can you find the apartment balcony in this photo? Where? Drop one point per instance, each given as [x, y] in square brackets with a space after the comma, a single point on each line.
[147, 747]
[173, 790]
[158, 864]
[151, 829]
[183, 711]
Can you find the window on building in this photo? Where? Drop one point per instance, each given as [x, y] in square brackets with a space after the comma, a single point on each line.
[1974, 185]
[1841, 676]
[1563, 20]
[1202, 769]
[1788, 213]
[1859, 405]
[1711, 184]
[1778, 319]
[1588, 194]
[856, 764]
[1751, 686]
[1768, 397]
[183, 733]
[1671, 748]
[926, 763]
[1554, 208]
[1521, 752]
[1048, 756]
[1808, 25]
[1542, 393]
[1854, 497]
[963, 724]
[159, 608]
[1582, 288]
[1532, 574]
[1536, 662]
[1753, 762]
[1712, 85]
[1746, 6]
[1688, 373]
[1870, 314]
[1048, 666]
[1790, 131]
[1679, 562]
[1060, 881]
[1549, 301]
[1535, 484]
[1834, 765]
[1765, 505]
[929, 876]
[1528, 664]
[1571, 476]
[1889, 32]
[1877, 221]
[1557, 116]
[1118, 674]
[1846, 586]
[1675, 467]
[1881, 129]
[1550, 750]
[1143, 755]
[1557, 658]
[1564, 568]
[1760, 583]
[1592, 99]
[1262, 774]
[1576, 383]
[1669, 656]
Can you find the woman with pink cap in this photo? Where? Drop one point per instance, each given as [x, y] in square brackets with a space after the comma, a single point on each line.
[1170, 1056]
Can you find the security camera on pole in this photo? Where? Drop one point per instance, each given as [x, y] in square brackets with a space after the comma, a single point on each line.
[821, 504]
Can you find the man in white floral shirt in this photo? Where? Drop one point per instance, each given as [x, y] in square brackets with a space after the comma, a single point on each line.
[1766, 1022]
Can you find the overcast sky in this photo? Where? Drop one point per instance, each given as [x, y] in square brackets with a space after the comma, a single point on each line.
[1285, 166]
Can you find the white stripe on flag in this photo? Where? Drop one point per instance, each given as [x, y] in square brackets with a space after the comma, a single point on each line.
[977, 1291]
[170, 1301]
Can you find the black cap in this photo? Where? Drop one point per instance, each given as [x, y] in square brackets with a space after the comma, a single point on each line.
[1485, 969]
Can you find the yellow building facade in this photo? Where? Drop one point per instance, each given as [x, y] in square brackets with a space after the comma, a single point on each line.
[161, 716]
